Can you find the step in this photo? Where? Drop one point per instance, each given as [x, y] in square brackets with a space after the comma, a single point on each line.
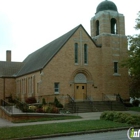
[85, 106]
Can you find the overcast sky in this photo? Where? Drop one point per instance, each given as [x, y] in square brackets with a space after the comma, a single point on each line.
[27, 25]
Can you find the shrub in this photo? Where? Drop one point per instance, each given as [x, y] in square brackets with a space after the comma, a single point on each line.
[43, 101]
[54, 110]
[49, 109]
[39, 110]
[136, 103]
[121, 117]
[57, 103]
[110, 116]
[131, 120]
[30, 100]
[103, 115]
[32, 108]
[116, 116]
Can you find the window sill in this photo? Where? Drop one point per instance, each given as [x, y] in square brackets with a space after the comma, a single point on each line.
[116, 74]
[56, 93]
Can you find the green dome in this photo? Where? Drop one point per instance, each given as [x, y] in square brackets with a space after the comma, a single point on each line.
[106, 5]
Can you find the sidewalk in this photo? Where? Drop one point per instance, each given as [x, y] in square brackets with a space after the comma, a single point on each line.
[85, 116]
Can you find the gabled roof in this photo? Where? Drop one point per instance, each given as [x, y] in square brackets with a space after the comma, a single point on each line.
[39, 59]
[9, 69]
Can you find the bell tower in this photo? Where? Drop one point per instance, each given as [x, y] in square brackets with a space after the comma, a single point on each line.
[107, 20]
[108, 30]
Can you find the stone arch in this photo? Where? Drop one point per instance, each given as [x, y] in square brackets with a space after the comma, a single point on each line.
[97, 27]
[113, 23]
[80, 78]
[83, 71]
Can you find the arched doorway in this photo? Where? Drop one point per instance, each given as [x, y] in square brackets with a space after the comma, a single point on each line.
[80, 87]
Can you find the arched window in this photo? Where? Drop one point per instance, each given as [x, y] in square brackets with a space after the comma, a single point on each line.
[80, 78]
[97, 27]
[76, 52]
[113, 26]
[85, 53]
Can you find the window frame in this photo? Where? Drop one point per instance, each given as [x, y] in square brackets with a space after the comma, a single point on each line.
[76, 53]
[115, 67]
[85, 54]
[57, 89]
[113, 23]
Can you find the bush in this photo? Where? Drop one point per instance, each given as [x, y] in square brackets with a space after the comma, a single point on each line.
[116, 116]
[32, 108]
[123, 118]
[43, 101]
[39, 110]
[55, 110]
[131, 120]
[110, 116]
[30, 100]
[136, 103]
[49, 109]
[57, 103]
[103, 115]
[120, 117]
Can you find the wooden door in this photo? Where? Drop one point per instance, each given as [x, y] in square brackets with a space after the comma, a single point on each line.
[80, 91]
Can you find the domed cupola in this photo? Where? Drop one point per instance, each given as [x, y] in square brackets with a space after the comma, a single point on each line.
[107, 20]
[106, 5]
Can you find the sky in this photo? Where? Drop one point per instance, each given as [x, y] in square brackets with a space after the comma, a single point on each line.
[27, 25]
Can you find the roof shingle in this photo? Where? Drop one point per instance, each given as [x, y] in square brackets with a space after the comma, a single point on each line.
[9, 69]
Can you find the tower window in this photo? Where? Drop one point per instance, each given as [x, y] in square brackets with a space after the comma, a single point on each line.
[97, 27]
[113, 26]
[76, 52]
[85, 54]
[115, 67]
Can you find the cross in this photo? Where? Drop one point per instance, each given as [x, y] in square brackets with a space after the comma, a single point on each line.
[81, 40]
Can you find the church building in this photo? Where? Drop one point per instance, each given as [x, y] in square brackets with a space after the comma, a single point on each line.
[76, 64]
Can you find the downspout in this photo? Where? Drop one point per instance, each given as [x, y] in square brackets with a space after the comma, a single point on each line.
[3, 88]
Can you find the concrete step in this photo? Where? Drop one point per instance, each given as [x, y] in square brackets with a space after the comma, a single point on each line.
[16, 110]
[96, 106]
[79, 107]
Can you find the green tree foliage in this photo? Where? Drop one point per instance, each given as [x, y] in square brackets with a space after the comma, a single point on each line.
[133, 62]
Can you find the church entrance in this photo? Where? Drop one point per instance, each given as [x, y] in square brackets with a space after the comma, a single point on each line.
[80, 91]
[80, 87]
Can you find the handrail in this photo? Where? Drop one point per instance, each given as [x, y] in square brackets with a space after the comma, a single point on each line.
[110, 102]
[22, 106]
[121, 100]
[7, 106]
[72, 100]
[91, 103]
[74, 109]
[105, 96]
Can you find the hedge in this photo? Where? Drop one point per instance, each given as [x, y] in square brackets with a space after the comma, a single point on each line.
[121, 117]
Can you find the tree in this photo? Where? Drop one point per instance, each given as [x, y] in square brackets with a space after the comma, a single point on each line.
[133, 62]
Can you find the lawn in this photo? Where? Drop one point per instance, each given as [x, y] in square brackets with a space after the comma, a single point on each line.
[135, 109]
[55, 128]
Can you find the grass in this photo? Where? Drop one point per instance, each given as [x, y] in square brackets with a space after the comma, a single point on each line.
[55, 128]
[48, 119]
[134, 109]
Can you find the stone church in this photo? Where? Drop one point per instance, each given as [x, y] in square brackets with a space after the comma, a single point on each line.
[76, 64]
